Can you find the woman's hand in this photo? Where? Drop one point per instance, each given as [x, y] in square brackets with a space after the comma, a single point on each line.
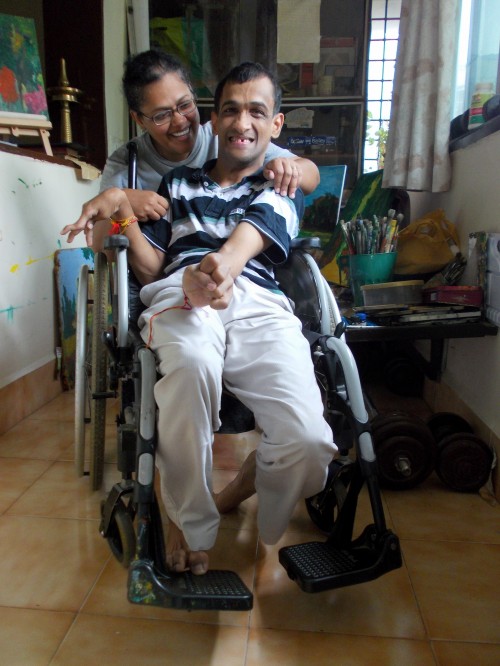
[147, 205]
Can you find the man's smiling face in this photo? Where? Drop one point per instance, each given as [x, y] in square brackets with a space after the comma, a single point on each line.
[246, 122]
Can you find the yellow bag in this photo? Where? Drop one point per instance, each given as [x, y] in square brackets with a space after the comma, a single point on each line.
[426, 245]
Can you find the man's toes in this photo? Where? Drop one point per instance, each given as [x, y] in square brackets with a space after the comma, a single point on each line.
[176, 560]
[198, 563]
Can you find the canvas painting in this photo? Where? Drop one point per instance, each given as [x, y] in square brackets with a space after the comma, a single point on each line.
[322, 207]
[21, 82]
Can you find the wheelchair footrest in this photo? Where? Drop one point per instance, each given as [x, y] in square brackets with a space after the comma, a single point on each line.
[318, 566]
[216, 590]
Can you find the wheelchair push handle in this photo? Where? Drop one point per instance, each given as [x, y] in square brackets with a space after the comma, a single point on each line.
[132, 164]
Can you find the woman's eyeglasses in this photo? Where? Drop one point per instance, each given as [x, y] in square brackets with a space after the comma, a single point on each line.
[165, 116]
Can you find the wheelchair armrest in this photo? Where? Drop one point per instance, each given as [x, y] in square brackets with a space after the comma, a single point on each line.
[116, 242]
[307, 243]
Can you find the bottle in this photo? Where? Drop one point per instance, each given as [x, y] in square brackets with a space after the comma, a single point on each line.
[482, 93]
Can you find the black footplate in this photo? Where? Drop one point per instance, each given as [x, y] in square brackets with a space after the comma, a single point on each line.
[216, 590]
[318, 566]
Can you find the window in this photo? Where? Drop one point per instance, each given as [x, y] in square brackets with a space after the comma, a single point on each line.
[478, 50]
[383, 47]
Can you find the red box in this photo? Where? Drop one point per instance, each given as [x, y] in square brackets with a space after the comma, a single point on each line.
[454, 295]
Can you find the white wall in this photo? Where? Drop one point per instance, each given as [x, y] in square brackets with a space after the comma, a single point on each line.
[115, 53]
[37, 199]
[473, 204]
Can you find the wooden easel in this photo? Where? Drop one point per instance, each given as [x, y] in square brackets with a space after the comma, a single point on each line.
[19, 124]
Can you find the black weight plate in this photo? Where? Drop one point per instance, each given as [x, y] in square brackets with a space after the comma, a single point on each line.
[443, 424]
[404, 461]
[387, 417]
[464, 462]
[411, 427]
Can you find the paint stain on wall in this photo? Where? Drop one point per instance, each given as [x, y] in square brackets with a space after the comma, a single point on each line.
[9, 312]
[16, 267]
[36, 183]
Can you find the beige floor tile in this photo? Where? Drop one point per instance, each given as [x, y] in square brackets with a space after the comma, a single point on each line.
[56, 567]
[123, 642]
[42, 439]
[16, 476]
[31, 637]
[297, 648]
[465, 654]
[432, 511]
[229, 451]
[455, 584]
[61, 408]
[383, 607]
[49, 564]
[59, 493]
[233, 551]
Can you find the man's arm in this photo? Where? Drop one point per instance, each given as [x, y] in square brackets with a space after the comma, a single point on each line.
[146, 261]
[211, 281]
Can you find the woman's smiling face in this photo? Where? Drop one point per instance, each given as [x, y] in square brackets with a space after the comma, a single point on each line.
[175, 139]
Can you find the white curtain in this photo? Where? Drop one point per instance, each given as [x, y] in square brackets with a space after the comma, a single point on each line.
[417, 146]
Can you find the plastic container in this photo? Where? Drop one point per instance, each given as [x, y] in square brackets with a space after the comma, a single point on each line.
[482, 93]
[454, 295]
[369, 269]
[407, 292]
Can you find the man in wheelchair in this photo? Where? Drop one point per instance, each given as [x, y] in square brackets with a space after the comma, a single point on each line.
[214, 313]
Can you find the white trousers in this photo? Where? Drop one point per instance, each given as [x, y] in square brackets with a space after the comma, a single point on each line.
[256, 347]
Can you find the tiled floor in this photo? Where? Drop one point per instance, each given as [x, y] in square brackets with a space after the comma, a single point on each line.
[63, 596]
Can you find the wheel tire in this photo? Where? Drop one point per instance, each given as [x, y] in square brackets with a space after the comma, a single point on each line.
[121, 534]
[81, 374]
[99, 381]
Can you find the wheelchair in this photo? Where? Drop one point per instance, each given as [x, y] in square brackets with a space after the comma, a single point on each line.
[114, 361]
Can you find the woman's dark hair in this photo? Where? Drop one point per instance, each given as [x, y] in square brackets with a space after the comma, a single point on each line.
[248, 71]
[148, 67]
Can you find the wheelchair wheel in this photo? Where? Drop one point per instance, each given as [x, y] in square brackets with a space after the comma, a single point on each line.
[121, 534]
[82, 408]
[99, 380]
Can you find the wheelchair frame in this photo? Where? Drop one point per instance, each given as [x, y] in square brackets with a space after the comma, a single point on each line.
[315, 566]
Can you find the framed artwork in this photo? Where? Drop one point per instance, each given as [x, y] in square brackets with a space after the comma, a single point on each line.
[22, 88]
[322, 207]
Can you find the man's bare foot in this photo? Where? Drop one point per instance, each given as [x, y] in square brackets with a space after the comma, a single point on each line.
[180, 557]
[240, 488]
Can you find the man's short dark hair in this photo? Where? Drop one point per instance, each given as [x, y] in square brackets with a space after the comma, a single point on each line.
[248, 71]
[148, 67]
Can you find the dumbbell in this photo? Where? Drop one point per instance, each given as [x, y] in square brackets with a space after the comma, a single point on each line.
[405, 449]
[463, 460]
